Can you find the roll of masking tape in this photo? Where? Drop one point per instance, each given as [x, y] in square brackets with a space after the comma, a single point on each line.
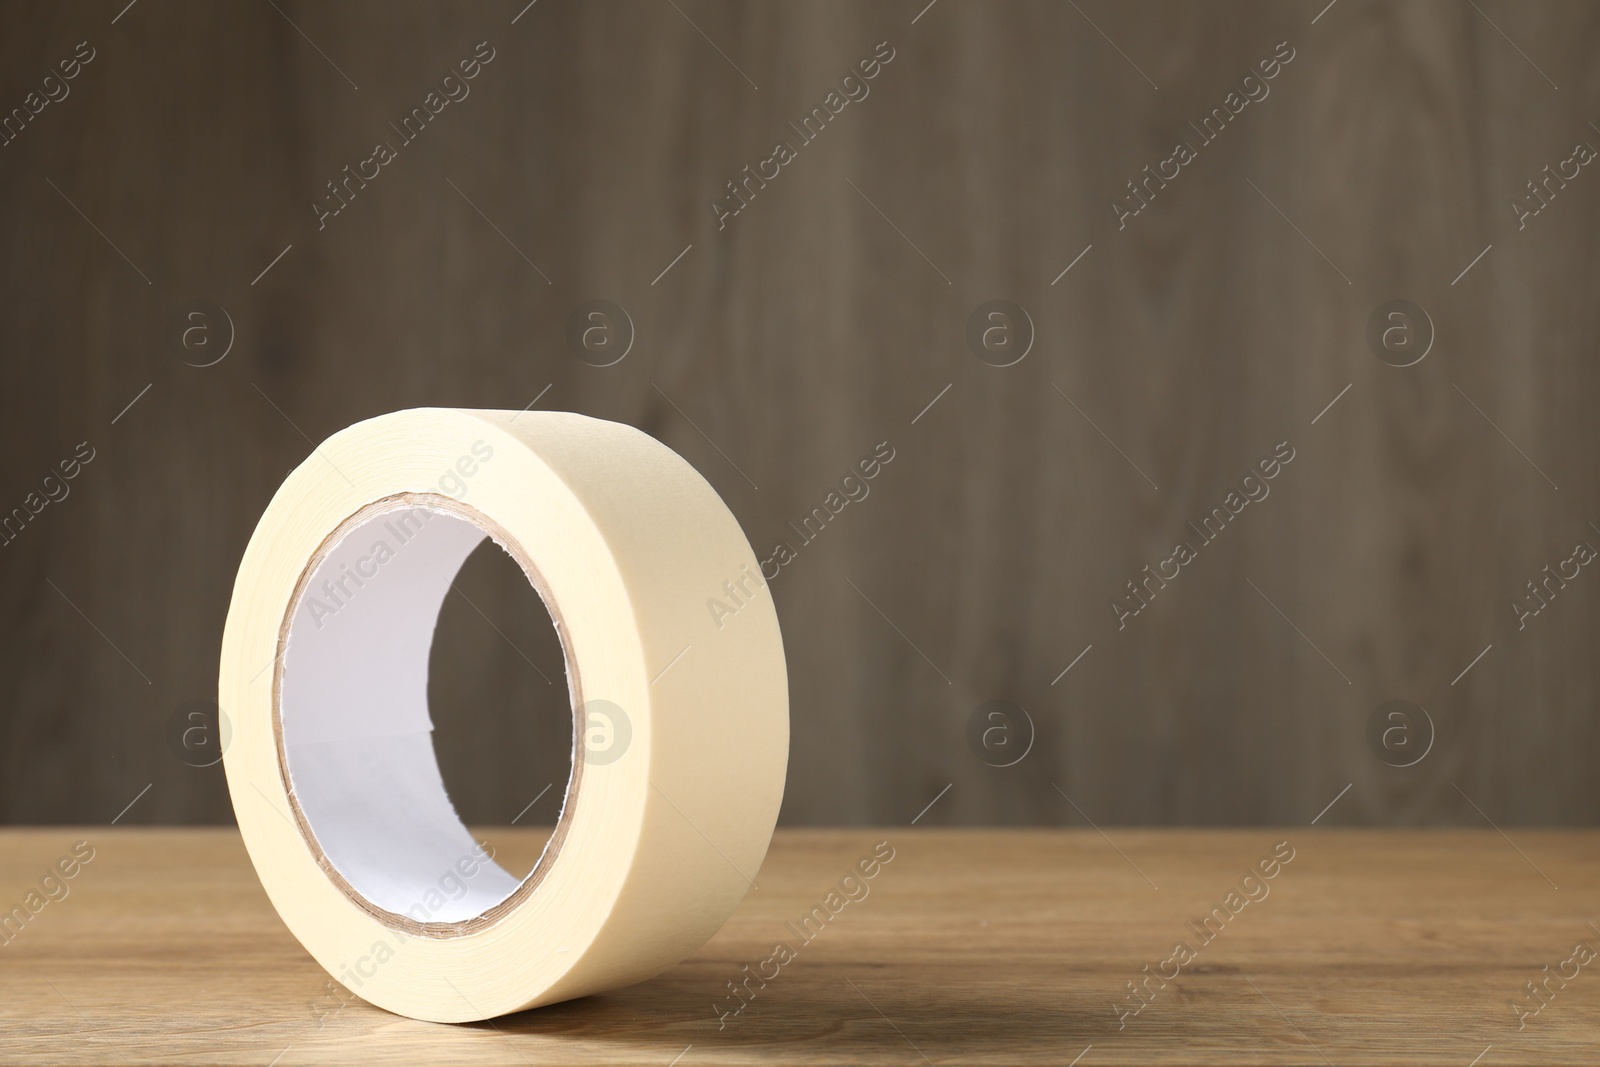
[331, 764]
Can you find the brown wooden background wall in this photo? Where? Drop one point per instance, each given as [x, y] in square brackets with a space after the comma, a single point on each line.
[822, 320]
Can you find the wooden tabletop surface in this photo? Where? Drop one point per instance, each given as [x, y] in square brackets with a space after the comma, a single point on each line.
[968, 947]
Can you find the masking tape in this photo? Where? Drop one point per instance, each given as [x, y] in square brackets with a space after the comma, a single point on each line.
[331, 765]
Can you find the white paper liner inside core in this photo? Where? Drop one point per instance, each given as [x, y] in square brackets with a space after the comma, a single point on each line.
[357, 737]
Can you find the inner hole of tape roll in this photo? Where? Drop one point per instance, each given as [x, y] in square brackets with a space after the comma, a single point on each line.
[356, 733]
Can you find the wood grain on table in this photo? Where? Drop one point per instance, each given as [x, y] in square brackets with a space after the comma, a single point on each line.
[975, 946]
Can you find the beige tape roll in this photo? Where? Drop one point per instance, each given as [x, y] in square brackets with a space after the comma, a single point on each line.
[681, 728]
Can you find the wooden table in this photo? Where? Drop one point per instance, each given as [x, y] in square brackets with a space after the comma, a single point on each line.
[978, 946]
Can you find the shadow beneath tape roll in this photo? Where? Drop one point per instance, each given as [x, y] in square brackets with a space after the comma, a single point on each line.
[833, 1011]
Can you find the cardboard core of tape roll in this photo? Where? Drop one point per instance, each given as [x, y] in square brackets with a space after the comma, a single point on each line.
[353, 731]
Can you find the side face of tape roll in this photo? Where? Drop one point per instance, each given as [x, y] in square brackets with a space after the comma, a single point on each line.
[330, 768]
